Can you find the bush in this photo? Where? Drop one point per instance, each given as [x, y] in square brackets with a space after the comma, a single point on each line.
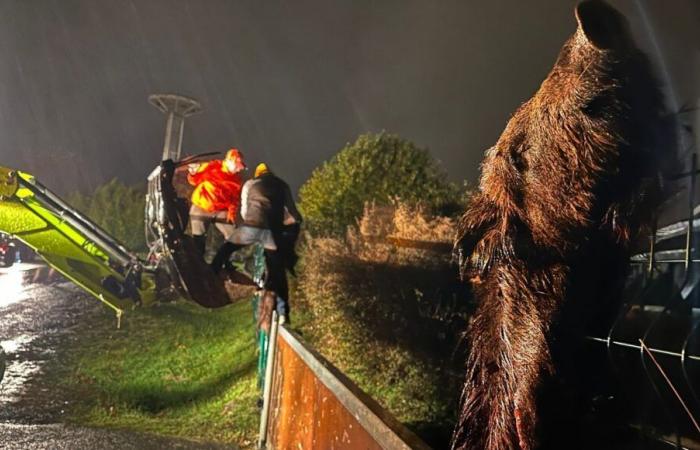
[390, 317]
[377, 167]
[118, 209]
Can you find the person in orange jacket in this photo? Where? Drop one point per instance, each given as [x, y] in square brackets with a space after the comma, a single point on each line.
[216, 196]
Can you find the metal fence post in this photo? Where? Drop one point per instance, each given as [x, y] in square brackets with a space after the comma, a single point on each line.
[269, 370]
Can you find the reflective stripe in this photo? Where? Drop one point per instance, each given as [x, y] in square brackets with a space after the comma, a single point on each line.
[244, 198]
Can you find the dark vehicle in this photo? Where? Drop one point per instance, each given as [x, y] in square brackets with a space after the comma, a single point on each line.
[8, 251]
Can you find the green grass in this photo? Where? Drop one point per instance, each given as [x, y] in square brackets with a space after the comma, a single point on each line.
[174, 369]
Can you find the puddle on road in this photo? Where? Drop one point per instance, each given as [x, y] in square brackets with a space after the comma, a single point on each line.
[18, 370]
[17, 344]
[17, 374]
[12, 287]
[21, 366]
[36, 320]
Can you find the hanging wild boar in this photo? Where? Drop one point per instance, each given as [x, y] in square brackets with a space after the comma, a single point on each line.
[572, 181]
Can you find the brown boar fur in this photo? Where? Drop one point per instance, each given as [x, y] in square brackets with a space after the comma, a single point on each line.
[571, 181]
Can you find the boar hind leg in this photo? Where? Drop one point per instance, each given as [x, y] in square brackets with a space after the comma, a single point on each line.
[525, 419]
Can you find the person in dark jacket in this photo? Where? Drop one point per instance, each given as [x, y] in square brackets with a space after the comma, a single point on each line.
[270, 217]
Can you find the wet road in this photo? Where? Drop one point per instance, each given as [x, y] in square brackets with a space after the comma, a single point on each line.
[60, 437]
[37, 320]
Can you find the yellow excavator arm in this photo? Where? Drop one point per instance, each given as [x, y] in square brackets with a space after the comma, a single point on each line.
[72, 244]
[90, 257]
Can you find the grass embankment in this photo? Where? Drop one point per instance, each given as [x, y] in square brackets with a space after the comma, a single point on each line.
[174, 369]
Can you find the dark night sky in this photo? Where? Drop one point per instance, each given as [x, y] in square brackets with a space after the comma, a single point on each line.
[289, 82]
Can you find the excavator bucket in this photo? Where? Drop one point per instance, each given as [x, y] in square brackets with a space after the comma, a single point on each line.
[175, 252]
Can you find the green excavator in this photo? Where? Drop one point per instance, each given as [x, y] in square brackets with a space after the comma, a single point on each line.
[86, 254]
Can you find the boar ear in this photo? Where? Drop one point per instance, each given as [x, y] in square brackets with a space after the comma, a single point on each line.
[603, 25]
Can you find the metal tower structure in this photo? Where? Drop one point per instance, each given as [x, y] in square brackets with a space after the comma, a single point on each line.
[176, 108]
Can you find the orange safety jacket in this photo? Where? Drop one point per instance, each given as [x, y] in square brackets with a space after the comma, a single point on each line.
[216, 189]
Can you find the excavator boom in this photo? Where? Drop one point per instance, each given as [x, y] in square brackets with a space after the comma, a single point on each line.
[71, 243]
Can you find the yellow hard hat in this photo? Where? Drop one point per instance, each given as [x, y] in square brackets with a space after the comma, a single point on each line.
[261, 169]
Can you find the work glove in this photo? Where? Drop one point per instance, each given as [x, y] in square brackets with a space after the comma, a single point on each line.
[192, 168]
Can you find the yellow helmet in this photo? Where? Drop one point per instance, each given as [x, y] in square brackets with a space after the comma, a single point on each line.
[261, 169]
